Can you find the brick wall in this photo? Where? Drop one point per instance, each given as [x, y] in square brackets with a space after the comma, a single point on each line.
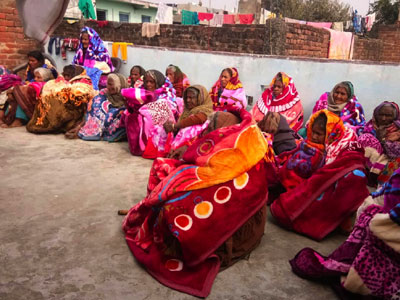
[303, 40]
[390, 36]
[13, 44]
[258, 39]
[368, 49]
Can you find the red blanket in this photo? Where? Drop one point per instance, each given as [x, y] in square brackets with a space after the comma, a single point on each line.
[318, 205]
[194, 208]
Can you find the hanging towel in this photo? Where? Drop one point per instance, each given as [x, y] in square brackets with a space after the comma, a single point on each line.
[229, 19]
[246, 19]
[217, 20]
[289, 20]
[87, 9]
[124, 50]
[41, 17]
[164, 14]
[205, 16]
[56, 41]
[340, 44]
[189, 17]
[150, 30]
[371, 21]
[347, 25]
[338, 26]
[320, 24]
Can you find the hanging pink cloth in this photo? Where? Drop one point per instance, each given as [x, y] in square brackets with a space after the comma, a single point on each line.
[205, 16]
[320, 24]
[229, 19]
[246, 19]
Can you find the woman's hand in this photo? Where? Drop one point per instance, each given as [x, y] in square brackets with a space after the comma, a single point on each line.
[169, 126]
[178, 153]
[381, 133]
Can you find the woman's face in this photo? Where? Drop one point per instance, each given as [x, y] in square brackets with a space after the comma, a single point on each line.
[277, 88]
[317, 134]
[191, 99]
[85, 40]
[386, 115]
[340, 95]
[170, 75]
[225, 77]
[38, 77]
[135, 75]
[33, 63]
[112, 87]
[149, 83]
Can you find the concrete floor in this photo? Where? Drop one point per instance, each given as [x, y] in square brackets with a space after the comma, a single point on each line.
[61, 237]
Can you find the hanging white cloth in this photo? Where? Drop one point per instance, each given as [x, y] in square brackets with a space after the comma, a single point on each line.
[164, 14]
[41, 17]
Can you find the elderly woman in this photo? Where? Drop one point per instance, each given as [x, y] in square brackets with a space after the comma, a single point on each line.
[37, 60]
[342, 102]
[281, 97]
[178, 78]
[228, 92]
[381, 140]
[367, 264]
[136, 76]
[197, 107]
[23, 98]
[324, 178]
[62, 105]
[104, 112]
[206, 211]
[147, 110]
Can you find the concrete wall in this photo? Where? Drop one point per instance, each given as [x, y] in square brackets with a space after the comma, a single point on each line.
[113, 9]
[373, 82]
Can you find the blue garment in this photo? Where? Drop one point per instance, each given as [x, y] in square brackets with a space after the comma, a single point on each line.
[94, 75]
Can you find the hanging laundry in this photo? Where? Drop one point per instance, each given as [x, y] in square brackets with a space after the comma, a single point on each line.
[205, 16]
[102, 24]
[338, 26]
[347, 25]
[189, 17]
[340, 44]
[150, 30]
[124, 50]
[236, 19]
[371, 21]
[217, 20]
[87, 9]
[41, 25]
[56, 41]
[68, 44]
[229, 19]
[289, 20]
[356, 22]
[246, 19]
[320, 24]
[164, 14]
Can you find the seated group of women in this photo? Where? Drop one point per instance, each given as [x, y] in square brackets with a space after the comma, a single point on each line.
[212, 156]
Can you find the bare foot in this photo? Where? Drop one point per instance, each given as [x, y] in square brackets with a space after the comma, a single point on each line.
[16, 123]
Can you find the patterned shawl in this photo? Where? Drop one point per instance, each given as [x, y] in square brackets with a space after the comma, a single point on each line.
[338, 136]
[96, 55]
[232, 95]
[286, 100]
[181, 82]
[203, 104]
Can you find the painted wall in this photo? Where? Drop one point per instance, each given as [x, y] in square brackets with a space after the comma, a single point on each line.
[113, 9]
[373, 82]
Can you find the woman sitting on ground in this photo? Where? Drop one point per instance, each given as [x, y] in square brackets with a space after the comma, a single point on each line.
[206, 211]
[62, 105]
[22, 99]
[281, 96]
[104, 112]
[381, 140]
[367, 264]
[197, 107]
[37, 60]
[136, 77]
[147, 110]
[342, 102]
[228, 93]
[178, 78]
[324, 178]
